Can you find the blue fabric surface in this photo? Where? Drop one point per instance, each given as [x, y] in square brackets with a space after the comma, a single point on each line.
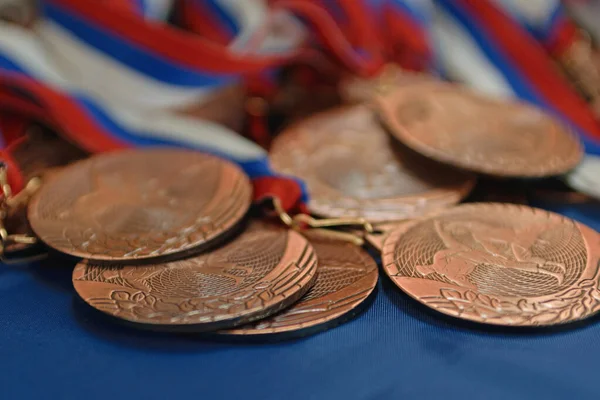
[52, 348]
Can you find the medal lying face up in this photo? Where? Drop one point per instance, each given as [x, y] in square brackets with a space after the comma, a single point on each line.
[139, 205]
[352, 168]
[119, 209]
[262, 271]
[144, 205]
[498, 264]
[347, 276]
[461, 128]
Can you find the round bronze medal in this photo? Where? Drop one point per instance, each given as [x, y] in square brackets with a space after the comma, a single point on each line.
[347, 275]
[353, 169]
[498, 264]
[461, 128]
[260, 272]
[135, 205]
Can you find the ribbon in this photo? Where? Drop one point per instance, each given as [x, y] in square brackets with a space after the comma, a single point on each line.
[11, 130]
[545, 20]
[104, 75]
[354, 49]
[109, 74]
[407, 26]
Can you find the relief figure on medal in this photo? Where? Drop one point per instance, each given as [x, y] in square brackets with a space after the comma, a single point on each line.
[491, 145]
[184, 279]
[212, 274]
[370, 177]
[532, 260]
[119, 204]
[485, 123]
[493, 246]
[133, 213]
[383, 170]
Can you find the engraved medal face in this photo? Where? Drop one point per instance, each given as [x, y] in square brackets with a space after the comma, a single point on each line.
[461, 128]
[353, 169]
[498, 264]
[260, 272]
[347, 275]
[135, 205]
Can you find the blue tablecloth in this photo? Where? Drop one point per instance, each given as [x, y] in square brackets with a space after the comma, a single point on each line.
[53, 348]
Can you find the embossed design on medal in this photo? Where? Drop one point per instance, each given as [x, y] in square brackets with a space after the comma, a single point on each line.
[498, 264]
[262, 271]
[459, 127]
[347, 275]
[353, 169]
[140, 204]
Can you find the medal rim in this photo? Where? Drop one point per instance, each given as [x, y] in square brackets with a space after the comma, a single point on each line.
[392, 240]
[384, 109]
[366, 207]
[222, 322]
[238, 216]
[324, 323]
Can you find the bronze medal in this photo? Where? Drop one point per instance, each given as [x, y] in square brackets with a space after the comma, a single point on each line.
[262, 271]
[499, 264]
[347, 275]
[139, 205]
[353, 169]
[467, 130]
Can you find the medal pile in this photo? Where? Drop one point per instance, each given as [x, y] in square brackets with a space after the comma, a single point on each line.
[160, 253]
[180, 224]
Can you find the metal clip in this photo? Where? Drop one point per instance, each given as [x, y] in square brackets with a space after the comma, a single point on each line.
[300, 222]
[8, 205]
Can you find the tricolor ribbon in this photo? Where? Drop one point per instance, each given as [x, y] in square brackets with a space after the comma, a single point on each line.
[109, 74]
[396, 30]
[106, 76]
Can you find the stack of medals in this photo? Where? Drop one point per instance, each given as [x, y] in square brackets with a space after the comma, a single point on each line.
[170, 239]
[404, 162]
[160, 253]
